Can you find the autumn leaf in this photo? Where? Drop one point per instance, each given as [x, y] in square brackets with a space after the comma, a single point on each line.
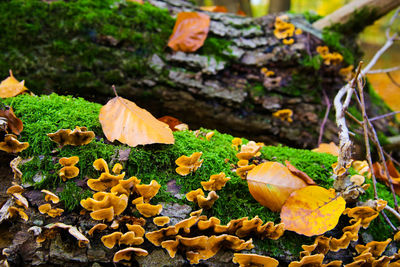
[11, 87]
[221, 9]
[124, 121]
[312, 210]
[171, 121]
[190, 31]
[380, 174]
[271, 183]
[13, 123]
[330, 148]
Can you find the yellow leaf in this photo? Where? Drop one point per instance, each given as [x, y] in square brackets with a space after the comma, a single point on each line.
[312, 210]
[271, 183]
[11, 87]
[124, 121]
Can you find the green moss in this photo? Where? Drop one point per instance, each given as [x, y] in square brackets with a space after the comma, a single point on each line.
[83, 34]
[73, 194]
[312, 16]
[311, 62]
[216, 46]
[303, 81]
[337, 42]
[155, 162]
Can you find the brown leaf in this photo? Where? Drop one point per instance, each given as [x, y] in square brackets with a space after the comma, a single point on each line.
[124, 121]
[171, 121]
[190, 31]
[13, 122]
[221, 9]
[271, 183]
[312, 210]
[302, 175]
[11, 87]
[380, 174]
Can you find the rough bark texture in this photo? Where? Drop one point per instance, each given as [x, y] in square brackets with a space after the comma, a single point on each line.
[219, 86]
[368, 11]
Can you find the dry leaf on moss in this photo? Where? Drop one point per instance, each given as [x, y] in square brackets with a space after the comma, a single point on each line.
[312, 210]
[124, 121]
[13, 123]
[190, 31]
[271, 183]
[330, 148]
[11, 87]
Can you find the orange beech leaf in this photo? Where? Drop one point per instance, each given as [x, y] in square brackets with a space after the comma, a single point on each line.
[124, 121]
[380, 174]
[13, 123]
[330, 148]
[312, 210]
[11, 87]
[135, 1]
[171, 121]
[271, 183]
[221, 9]
[190, 31]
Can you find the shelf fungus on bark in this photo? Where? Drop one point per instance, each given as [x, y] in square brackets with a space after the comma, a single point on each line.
[216, 182]
[97, 228]
[78, 137]
[148, 191]
[50, 196]
[14, 211]
[69, 170]
[190, 164]
[148, 210]
[254, 260]
[161, 221]
[12, 145]
[126, 254]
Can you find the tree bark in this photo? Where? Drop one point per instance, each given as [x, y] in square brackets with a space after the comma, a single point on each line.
[220, 86]
[373, 10]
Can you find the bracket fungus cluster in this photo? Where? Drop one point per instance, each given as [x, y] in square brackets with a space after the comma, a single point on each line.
[369, 254]
[16, 192]
[10, 144]
[190, 164]
[329, 58]
[197, 196]
[69, 170]
[50, 231]
[78, 137]
[284, 115]
[216, 182]
[184, 236]
[246, 154]
[284, 30]
[46, 208]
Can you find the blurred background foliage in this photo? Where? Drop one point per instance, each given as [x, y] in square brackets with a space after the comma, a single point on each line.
[370, 40]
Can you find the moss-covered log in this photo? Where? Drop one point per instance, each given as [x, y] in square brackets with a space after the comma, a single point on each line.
[83, 47]
[40, 167]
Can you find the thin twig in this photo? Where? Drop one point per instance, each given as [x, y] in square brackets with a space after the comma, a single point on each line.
[388, 221]
[379, 53]
[392, 211]
[384, 116]
[392, 79]
[392, 19]
[328, 108]
[384, 70]
[366, 137]
[382, 158]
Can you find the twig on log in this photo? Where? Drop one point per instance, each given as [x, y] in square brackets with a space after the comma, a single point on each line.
[328, 108]
[366, 137]
[388, 220]
[392, 211]
[384, 116]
